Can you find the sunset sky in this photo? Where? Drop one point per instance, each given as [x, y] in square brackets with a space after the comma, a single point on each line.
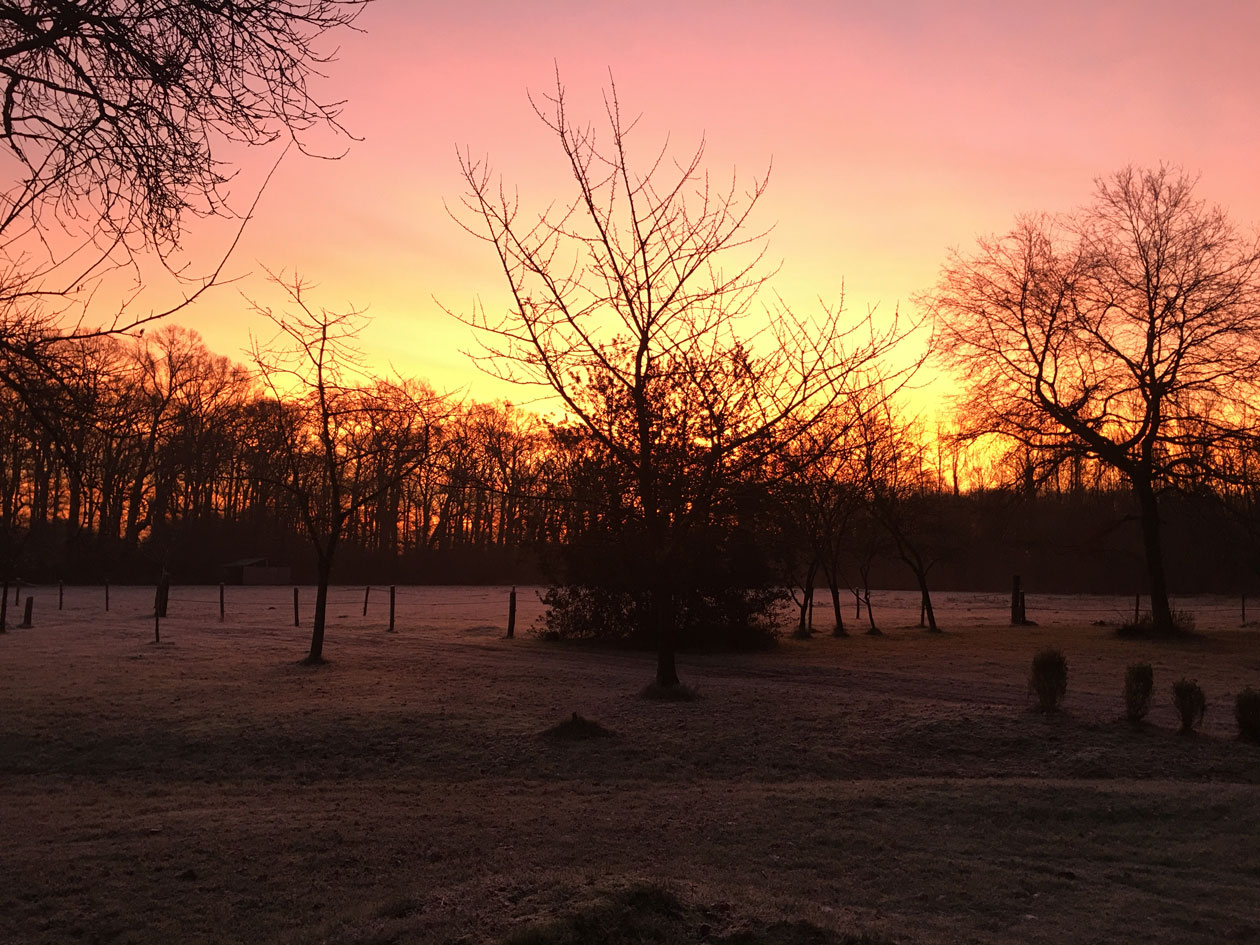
[896, 130]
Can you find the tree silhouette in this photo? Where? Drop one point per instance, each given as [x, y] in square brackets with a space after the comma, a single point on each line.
[626, 305]
[115, 118]
[329, 421]
[1128, 332]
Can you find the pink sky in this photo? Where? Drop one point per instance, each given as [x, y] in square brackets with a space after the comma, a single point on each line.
[896, 130]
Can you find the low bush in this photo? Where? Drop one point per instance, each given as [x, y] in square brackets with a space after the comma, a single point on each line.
[1143, 628]
[719, 597]
[1139, 682]
[650, 913]
[1247, 712]
[1048, 679]
[1190, 703]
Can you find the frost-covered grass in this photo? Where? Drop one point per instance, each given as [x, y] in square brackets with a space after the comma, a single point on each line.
[211, 789]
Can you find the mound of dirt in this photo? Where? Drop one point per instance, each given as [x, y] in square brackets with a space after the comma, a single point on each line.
[577, 728]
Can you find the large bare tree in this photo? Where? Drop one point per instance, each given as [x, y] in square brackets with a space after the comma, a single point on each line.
[634, 303]
[1128, 331]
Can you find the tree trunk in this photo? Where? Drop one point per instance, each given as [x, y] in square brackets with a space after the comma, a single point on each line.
[927, 604]
[663, 616]
[666, 668]
[324, 572]
[1148, 507]
[807, 600]
[835, 605]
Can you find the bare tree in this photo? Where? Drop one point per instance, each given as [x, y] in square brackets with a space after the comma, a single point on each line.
[114, 119]
[1128, 331]
[330, 421]
[900, 496]
[626, 304]
[820, 490]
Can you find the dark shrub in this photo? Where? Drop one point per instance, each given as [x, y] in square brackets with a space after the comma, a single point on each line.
[1190, 703]
[718, 599]
[649, 914]
[1048, 679]
[1247, 711]
[1139, 682]
[1144, 627]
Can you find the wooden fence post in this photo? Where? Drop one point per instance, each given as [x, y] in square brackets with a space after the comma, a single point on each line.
[366, 591]
[61, 595]
[512, 614]
[222, 608]
[26, 617]
[391, 608]
[107, 597]
[295, 608]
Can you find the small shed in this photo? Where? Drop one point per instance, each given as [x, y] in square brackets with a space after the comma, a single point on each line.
[256, 571]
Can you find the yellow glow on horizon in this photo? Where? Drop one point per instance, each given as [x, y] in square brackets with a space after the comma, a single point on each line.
[893, 134]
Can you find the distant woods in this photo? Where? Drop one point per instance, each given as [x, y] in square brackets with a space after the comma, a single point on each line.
[154, 442]
[157, 452]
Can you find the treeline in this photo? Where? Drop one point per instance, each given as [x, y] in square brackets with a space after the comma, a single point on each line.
[142, 455]
[136, 454]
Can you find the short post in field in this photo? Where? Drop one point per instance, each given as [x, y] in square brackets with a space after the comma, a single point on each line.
[107, 597]
[157, 626]
[857, 599]
[26, 617]
[392, 588]
[61, 595]
[295, 608]
[1137, 607]
[4, 606]
[1015, 616]
[512, 614]
[366, 591]
[221, 607]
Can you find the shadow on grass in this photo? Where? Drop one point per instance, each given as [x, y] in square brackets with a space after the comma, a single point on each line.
[675, 693]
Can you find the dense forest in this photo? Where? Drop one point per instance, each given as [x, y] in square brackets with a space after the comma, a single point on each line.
[154, 453]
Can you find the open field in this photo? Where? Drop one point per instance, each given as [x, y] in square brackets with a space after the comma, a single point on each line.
[210, 789]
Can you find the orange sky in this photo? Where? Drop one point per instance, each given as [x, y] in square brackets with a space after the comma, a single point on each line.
[896, 130]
